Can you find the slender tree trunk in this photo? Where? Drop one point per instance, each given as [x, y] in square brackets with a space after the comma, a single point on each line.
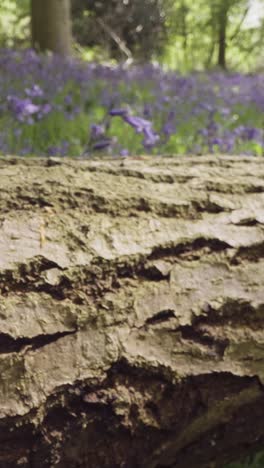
[51, 26]
[209, 59]
[222, 30]
[131, 312]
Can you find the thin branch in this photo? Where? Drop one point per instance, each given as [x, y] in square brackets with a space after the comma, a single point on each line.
[122, 46]
[238, 28]
[210, 55]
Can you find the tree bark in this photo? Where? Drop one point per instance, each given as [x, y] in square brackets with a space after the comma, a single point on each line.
[131, 312]
[51, 26]
[222, 27]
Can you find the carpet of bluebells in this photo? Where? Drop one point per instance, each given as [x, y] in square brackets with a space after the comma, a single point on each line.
[50, 106]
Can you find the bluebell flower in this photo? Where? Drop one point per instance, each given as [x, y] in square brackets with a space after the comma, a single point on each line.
[124, 152]
[118, 112]
[150, 138]
[97, 131]
[35, 91]
[137, 123]
[103, 144]
[22, 108]
[216, 141]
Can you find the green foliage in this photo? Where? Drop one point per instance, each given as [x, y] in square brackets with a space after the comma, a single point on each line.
[255, 461]
[180, 33]
[45, 134]
[193, 29]
[123, 28]
[14, 23]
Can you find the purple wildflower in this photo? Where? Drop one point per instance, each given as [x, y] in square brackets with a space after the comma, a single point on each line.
[124, 152]
[68, 100]
[103, 144]
[208, 111]
[118, 112]
[97, 131]
[137, 123]
[150, 138]
[22, 108]
[46, 109]
[216, 141]
[35, 91]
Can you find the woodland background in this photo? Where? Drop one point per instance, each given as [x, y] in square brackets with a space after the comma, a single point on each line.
[159, 76]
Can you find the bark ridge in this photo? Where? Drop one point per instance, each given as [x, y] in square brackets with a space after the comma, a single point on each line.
[131, 312]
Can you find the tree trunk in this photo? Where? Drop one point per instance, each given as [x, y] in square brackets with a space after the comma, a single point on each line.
[51, 26]
[222, 27]
[131, 313]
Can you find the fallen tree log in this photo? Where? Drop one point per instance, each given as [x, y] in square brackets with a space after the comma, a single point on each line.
[132, 312]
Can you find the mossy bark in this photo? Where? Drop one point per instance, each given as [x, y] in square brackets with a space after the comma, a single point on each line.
[131, 312]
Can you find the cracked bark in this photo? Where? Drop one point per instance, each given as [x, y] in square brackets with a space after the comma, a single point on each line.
[131, 312]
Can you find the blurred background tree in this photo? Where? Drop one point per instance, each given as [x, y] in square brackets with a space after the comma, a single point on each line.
[123, 29]
[51, 25]
[181, 34]
[216, 33]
